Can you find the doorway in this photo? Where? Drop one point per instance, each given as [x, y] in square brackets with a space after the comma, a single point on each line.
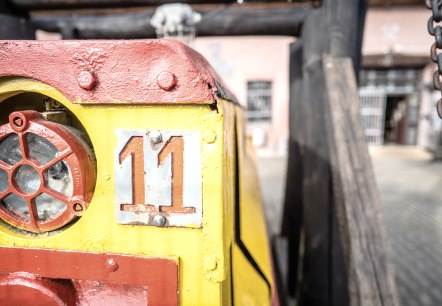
[396, 119]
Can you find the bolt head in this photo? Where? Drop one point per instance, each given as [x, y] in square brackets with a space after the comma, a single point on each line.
[210, 263]
[166, 80]
[155, 137]
[209, 136]
[87, 80]
[112, 265]
[159, 220]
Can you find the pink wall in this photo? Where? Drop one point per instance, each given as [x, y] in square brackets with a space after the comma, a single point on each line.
[401, 30]
[242, 59]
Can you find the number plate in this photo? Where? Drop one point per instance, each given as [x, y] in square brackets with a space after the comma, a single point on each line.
[158, 178]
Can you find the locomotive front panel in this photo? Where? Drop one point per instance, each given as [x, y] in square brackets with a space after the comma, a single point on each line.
[119, 179]
[108, 153]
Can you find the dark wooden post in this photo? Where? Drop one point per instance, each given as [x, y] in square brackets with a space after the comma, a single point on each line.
[292, 214]
[341, 261]
[14, 24]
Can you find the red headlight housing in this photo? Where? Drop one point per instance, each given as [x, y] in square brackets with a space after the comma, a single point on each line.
[47, 174]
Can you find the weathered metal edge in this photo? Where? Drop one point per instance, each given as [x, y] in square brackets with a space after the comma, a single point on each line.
[116, 71]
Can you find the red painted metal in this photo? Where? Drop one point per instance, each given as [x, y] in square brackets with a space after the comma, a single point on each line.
[135, 279]
[70, 150]
[21, 288]
[131, 71]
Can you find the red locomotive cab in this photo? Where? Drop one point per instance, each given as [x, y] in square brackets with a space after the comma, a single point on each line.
[125, 179]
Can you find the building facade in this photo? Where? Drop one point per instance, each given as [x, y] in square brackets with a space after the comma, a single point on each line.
[396, 96]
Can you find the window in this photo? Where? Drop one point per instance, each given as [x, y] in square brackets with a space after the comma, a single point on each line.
[259, 101]
[392, 79]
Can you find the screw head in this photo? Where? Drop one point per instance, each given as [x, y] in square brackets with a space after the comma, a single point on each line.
[166, 80]
[159, 220]
[87, 80]
[155, 137]
[18, 121]
[78, 207]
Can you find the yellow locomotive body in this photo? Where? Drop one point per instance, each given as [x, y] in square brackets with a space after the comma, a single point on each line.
[156, 253]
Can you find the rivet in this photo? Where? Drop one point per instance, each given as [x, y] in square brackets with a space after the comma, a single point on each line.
[159, 220]
[210, 263]
[209, 136]
[112, 265]
[166, 80]
[87, 80]
[155, 137]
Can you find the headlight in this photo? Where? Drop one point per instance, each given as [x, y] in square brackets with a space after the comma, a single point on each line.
[46, 173]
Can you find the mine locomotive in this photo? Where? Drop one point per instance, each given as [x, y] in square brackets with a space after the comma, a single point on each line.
[126, 178]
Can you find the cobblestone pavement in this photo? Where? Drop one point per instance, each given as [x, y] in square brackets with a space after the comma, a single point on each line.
[410, 183]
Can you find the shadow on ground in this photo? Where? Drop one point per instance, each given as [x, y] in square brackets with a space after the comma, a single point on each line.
[410, 184]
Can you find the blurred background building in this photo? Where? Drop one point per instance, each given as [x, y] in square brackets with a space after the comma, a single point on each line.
[397, 107]
[396, 95]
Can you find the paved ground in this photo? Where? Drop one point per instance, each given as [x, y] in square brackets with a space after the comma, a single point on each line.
[410, 183]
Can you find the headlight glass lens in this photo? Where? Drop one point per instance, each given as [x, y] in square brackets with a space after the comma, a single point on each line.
[49, 208]
[4, 184]
[17, 206]
[27, 179]
[58, 177]
[10, 151]
[40, 149]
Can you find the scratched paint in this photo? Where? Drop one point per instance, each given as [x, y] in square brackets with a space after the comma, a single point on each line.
[204, 254]
[124, 71]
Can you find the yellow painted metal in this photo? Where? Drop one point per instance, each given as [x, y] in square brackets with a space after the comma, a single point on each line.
[204, 255]
[253, 231]
[250, 288]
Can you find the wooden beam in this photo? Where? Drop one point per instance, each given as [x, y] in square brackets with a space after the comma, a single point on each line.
[360, 228]
[74, 4]
[224, 21]
[292, 214]
[15, 27]
[331, 273]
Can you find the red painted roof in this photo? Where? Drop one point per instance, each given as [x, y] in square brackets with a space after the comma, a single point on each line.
[122, 71]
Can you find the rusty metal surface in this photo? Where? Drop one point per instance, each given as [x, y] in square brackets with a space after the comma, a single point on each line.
[130, 279]
[70, 150]
[112, 72]
[104, 294]
[21, 288]
[158, 173]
